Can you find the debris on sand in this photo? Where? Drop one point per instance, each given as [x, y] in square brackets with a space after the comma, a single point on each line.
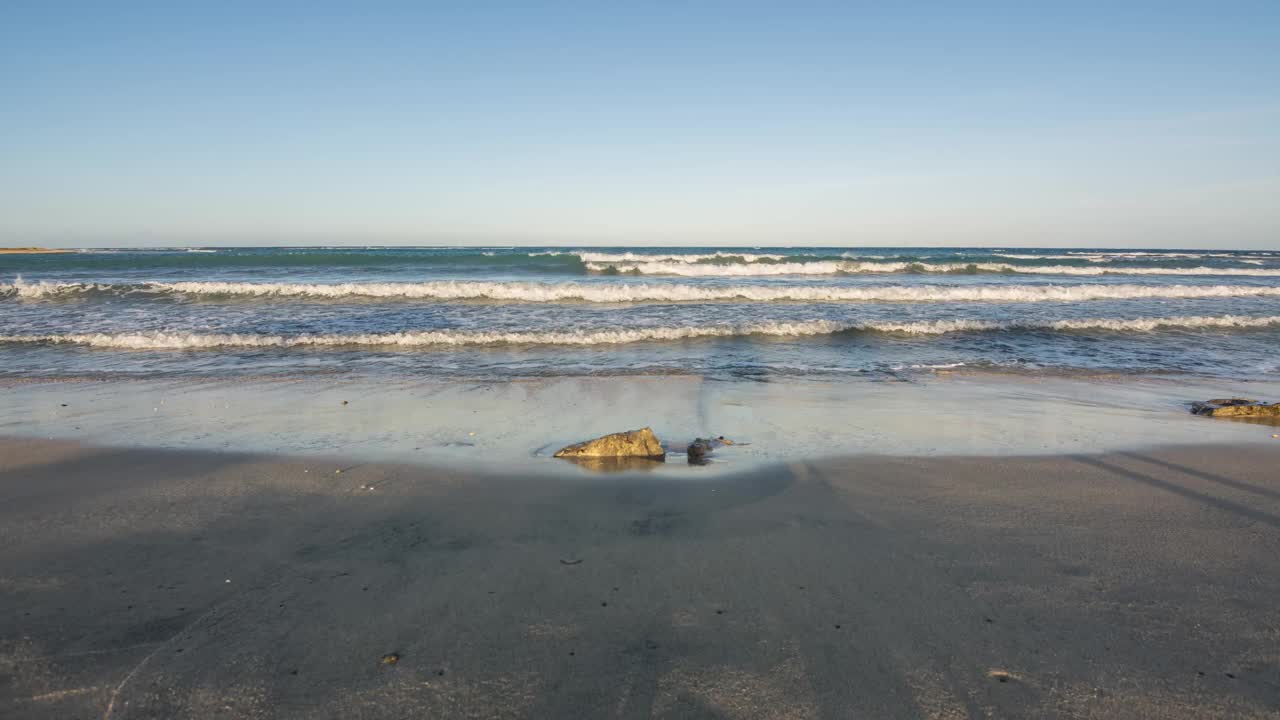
[999, 675]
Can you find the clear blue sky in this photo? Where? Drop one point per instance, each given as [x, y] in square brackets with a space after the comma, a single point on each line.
[1112, 123]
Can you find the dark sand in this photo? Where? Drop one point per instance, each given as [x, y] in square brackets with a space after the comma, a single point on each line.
[151, 584]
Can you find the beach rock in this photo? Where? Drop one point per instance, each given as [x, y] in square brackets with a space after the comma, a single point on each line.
[1236, 407]
[640, 443]
[700, 448]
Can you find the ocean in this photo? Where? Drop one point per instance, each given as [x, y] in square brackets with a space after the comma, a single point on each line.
[721, 313]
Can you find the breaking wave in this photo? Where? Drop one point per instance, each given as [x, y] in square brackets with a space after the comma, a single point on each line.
[538, 292]
[159, 340]
[714, 258]
[831, 267]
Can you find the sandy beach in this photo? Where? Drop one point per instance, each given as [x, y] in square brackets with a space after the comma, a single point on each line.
[631, 361]
[158, 583]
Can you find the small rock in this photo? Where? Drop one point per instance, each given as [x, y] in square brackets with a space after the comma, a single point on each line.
[391, 658]
[999, 675]
[700, 448]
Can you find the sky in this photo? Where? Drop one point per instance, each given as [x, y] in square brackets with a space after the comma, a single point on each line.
[918, 124]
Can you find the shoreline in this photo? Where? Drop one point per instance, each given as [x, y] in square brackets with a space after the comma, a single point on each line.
[193, 584]
[33, 251]
[500, 426]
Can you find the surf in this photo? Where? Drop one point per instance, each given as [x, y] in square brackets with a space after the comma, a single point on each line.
[828, 267]
[630, 292]
[179, 340]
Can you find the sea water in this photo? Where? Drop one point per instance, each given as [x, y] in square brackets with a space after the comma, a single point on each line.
[821, 314]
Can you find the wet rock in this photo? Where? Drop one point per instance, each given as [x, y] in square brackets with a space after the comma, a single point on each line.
[640, 443]
[700, 448]
[1236, 407]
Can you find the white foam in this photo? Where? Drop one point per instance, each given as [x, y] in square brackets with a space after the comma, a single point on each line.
[537, 292]
[46, 289]
[629, 257]
[158, 340]
[1132, 254]
[826, 267]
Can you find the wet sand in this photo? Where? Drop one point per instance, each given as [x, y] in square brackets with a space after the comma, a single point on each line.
[469, 424]
[159, 584]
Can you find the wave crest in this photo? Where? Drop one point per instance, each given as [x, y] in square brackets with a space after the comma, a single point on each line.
[537, 292]
[828, 267]
[158, 340]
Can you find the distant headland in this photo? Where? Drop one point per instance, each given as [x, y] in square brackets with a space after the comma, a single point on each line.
[30, 251]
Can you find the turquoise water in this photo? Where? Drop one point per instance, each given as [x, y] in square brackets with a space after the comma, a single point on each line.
[758, 313]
